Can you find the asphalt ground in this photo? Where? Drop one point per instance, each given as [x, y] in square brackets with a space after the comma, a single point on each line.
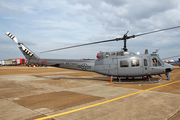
[28, 93]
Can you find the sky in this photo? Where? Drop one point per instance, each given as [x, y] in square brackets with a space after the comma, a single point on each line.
[51, 24]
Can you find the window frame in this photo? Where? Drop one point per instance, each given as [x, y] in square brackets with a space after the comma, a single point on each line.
[124, 63]
[145, 62]
[136, 63]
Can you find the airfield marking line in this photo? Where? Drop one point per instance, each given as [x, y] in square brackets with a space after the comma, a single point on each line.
[71, 111]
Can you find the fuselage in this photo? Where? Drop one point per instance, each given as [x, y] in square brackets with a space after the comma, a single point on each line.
[128, 64]
[120, 63]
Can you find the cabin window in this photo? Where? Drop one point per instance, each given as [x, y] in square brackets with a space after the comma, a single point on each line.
[107, 54]
[121, 53]
[113, 53]
[124, 63]
[145, 62]
[134, 62]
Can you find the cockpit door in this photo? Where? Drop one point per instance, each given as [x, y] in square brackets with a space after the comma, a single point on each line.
[157, 66]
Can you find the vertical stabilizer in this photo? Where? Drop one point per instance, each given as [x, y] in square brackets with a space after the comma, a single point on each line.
[29, 55]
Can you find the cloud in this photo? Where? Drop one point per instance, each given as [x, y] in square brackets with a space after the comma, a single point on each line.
[126, 12]
[46, 25]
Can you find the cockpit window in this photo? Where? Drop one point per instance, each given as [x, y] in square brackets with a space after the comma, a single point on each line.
[134, 62]
[156, 62]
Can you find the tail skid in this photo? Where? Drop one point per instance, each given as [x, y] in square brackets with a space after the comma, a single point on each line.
[29, 55]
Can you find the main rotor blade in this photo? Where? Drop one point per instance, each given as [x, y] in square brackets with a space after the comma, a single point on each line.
[82, 45]
[125, 37]
[171, 57]
[157, 31]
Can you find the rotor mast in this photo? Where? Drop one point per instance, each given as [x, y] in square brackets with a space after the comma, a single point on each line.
[125, 39]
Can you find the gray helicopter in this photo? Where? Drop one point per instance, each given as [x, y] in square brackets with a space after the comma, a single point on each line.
[118, 64]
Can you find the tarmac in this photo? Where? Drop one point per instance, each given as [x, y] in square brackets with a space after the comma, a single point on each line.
[47, 93]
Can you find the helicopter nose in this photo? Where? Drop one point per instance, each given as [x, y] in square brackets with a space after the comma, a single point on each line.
[168, 67]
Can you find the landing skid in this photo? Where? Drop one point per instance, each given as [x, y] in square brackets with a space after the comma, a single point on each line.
[136, 81]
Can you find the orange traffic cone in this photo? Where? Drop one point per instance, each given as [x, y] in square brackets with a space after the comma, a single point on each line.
[111, 79]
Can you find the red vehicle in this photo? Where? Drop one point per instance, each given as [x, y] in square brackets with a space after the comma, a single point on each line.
[18, 61]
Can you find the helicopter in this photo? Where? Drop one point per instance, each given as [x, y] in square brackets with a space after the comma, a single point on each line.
[118, 64]
[173, 62]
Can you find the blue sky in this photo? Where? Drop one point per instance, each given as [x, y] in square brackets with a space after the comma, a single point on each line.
[44, 25]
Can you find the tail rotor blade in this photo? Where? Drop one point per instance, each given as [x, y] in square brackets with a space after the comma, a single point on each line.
[12, 37]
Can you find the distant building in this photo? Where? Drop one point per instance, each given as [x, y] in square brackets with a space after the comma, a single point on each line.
[1, 62]
[7, 62]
